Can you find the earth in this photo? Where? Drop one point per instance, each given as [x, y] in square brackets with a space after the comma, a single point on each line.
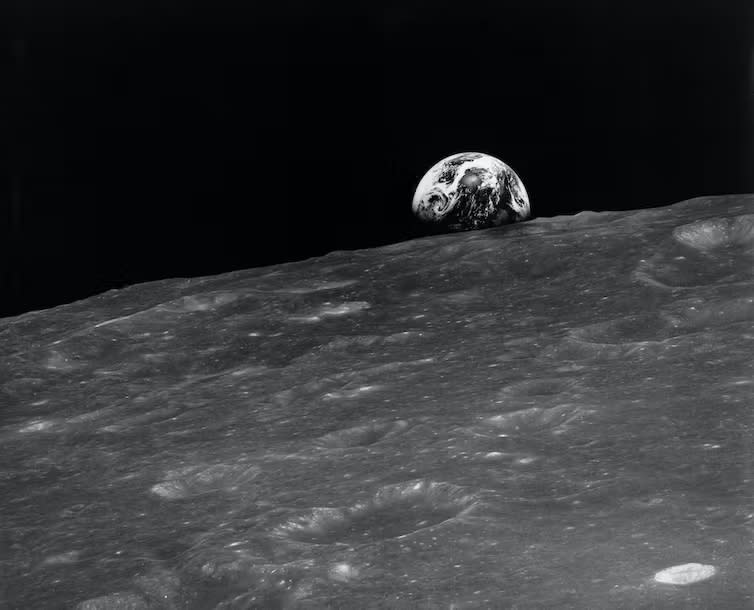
[469, 191]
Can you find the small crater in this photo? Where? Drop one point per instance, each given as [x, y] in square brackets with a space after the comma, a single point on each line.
[160, 586]
[315, 286]
[362, 436]
[533, 420]
[394, 511]
[273, 587]
[40, 425]
[462, 297]
[535, 390]
[685, 574]
[155, 416]
[353, 392]
[220, 574]
[67, 558]
[200, 302]
[342, 343]
[331, 310]
[699, 258]
[701, 315]
[194, 481]
[343, 572]
[60, 361]
[554, 488]
[706, 235]
[626, 330]
[124, 600]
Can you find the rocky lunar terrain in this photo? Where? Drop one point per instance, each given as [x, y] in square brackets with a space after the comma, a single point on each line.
[551, 414]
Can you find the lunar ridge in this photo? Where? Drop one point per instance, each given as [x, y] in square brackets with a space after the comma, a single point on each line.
[550, 414]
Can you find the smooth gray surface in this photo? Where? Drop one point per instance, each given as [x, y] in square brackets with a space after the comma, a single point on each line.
[543, 415]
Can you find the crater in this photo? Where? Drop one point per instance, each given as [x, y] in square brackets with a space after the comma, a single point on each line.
[394, 511]
[194, 480]
[200, 302]
[316, 286]
[699, 315]
[621, 331]
[537, 388]
[555, 420]
[685, 574]
[706, 235]
[362, 436]
[219, 576]
[331, 310]
[122, 599]
[692, 261]
[556, 488]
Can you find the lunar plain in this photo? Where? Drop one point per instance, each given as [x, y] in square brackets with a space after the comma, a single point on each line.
[550, 414]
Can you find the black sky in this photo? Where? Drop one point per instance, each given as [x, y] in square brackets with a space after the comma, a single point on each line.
[171, 139]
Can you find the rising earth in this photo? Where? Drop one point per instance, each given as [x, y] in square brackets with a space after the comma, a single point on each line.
[469, 191]
[551, 414]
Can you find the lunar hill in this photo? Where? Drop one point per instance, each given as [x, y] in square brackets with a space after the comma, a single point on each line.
[551, 414]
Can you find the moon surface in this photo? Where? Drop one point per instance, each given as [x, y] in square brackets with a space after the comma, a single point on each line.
[558, 419]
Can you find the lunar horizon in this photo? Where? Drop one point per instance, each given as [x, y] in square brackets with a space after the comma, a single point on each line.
[549, 414]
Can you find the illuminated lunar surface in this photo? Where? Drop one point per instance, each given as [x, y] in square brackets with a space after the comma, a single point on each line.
[686, 574]
[551, 414]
